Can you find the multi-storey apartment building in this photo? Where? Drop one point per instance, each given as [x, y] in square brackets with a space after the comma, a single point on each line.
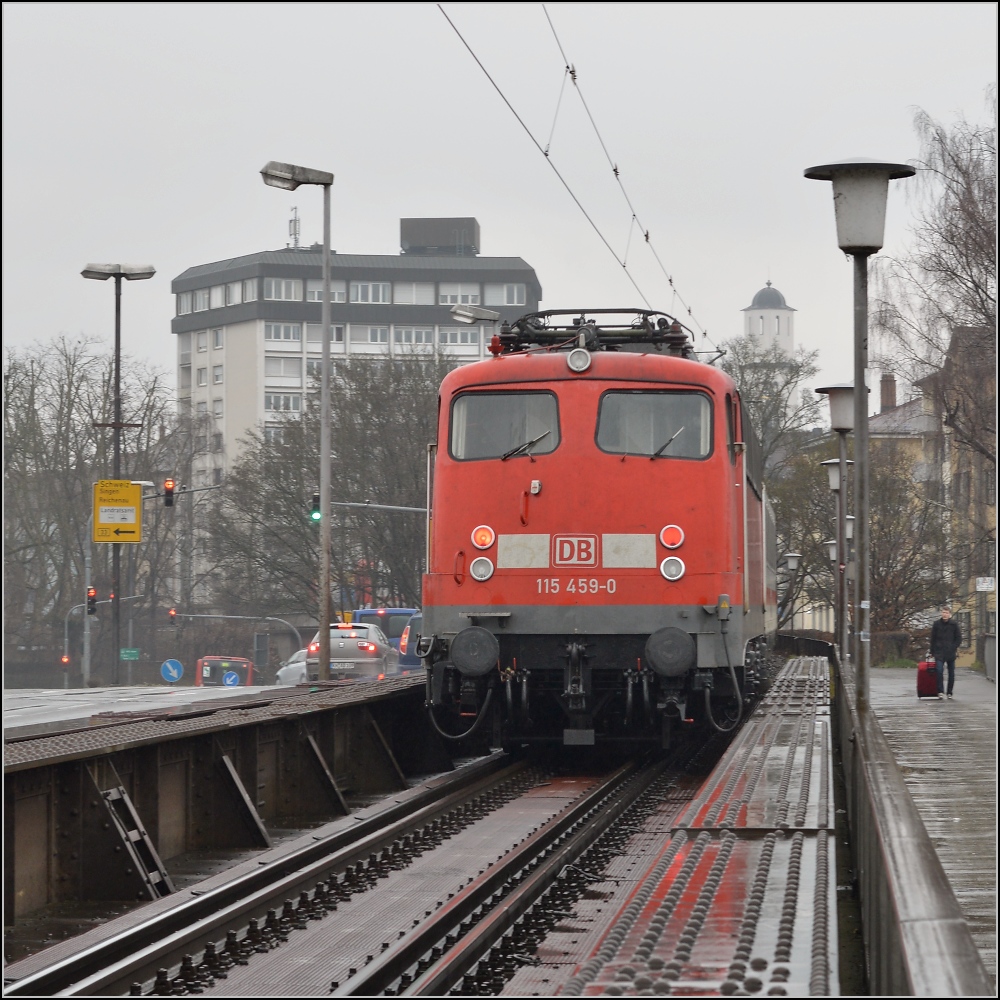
[248, 328]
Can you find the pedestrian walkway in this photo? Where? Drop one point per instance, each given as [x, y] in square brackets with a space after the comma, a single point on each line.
[947, 753]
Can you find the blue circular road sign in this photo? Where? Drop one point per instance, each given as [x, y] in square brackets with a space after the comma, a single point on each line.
[231, 679]
[172, 670]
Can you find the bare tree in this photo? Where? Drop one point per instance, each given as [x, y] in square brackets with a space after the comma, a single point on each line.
[935, 307]
[772, 386]
[54, 394]
[383, 416]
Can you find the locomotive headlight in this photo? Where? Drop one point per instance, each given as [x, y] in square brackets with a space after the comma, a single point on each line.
[578, 360]
[672, 537]
[483, 536]
[672, 568]
[481, 569]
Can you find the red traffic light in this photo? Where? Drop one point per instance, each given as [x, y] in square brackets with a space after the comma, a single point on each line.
[173, 615]
[91, 600]
[168, 492]
[64, 659]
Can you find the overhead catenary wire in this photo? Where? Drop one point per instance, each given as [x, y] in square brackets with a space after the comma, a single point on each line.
[572, 73]
[548, 159]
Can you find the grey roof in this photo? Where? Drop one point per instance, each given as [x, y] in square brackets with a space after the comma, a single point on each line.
[769, 298]
[313, 257]
[907, 420]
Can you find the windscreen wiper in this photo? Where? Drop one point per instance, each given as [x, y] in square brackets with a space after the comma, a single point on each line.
[663, 447]
[523, 447]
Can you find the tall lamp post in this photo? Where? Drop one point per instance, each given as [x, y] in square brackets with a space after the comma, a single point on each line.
[130, 272]
[791, 561]
[860, 191]
[288, 177]
[841, 399]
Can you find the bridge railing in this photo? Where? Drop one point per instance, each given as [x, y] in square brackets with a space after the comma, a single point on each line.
[917, 942]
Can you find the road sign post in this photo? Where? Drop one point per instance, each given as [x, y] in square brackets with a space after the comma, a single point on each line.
[117, 511]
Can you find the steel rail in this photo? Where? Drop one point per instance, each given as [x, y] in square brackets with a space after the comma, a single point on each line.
[163, 939]
[378, 976]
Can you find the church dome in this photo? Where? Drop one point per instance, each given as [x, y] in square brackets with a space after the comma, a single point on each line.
[769, 298]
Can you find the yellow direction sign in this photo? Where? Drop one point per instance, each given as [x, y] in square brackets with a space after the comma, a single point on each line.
[117, 511]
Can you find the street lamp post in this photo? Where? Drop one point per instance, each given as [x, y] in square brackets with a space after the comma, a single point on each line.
[791, 561]
[130, 272]
[841, 399]
[860, 191]
[288, 177]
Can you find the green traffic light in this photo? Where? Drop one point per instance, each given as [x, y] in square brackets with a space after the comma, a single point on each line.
[315, 515]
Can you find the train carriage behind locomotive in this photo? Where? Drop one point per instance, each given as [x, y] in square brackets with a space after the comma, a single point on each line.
[600, 549]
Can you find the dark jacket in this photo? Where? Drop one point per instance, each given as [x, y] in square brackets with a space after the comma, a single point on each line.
[946, 637]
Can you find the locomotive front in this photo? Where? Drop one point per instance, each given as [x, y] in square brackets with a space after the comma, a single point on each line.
[596, 568]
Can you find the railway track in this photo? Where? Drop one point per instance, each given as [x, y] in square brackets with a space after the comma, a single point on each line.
[253, 911]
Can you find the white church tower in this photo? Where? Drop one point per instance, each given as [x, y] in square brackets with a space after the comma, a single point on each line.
[771, 320]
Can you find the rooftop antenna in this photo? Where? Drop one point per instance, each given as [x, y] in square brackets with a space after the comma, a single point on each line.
[294, 227]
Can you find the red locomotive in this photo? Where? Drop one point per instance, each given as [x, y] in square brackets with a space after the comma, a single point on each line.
[601, 553]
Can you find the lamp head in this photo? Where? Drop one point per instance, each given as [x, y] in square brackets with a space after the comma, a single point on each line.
[791, 560]
[841, 399]
[130, 272]
[473, 314]
[289, 176]
[860, 190]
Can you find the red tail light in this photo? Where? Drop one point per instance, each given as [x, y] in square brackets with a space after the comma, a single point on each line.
[314, 647]
[368, 647]
[404, 639]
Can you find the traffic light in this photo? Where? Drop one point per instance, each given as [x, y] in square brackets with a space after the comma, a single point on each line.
[315, 514]
[172, 614]
[91, 600]
[64, 660]
[168, 492]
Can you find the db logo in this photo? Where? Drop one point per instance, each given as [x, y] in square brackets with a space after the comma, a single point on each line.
[574, 550]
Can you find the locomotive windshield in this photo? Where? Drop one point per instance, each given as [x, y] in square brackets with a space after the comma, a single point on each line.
[503, 424]
[657, 424]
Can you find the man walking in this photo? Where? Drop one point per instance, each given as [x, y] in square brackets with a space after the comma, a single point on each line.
[946, 637]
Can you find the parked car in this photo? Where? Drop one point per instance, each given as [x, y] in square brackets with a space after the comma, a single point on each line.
[391, 621]
[357, 650]
[225, 671]
[293, 670]
[408, 659]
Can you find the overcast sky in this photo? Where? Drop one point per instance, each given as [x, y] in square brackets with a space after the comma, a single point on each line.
[134, 133]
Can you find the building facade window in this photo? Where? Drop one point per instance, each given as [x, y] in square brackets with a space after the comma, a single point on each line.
[185, 380]
[201, 408]
[413, 293]
[217, 374]
[234, 293]
[216, 442]
[217, 297]
[283, 289]
[216, 477]
[458, 335]
[361, 334]
[184, 347]
[314, 333]
[216, 407]
[413, 335]
[201, 300]
[202, 376]
[183, 303]
[505, 295]
[217, 340]
[274, 435]
[283, 368]
[282, 402]
[250, 290]
[201, 339]
[371, 291]
[283, 331]
[455, 293]
[314, 290]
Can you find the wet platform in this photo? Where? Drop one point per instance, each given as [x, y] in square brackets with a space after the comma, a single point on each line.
[947, 753]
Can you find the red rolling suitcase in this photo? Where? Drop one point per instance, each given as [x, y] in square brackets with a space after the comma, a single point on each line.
[927, 685]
